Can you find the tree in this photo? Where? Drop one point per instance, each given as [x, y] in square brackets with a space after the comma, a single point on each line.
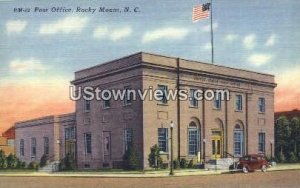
[282, 135]
[130, 159]
[154, 159]
[295, 135]
[280, 158]
[293, 158]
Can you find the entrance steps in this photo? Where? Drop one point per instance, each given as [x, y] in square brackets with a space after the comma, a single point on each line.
[220, 164]
[51, 167]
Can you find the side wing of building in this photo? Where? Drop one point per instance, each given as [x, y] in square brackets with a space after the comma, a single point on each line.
[42, 136]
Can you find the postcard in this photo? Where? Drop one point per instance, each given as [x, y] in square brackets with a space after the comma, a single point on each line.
[141, 93]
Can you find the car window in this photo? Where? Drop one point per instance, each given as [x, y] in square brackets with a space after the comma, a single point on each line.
[254, 158]
[245, 158]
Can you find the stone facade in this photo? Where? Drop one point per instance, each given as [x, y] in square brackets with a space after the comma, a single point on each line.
[216, 129]
[51, 128]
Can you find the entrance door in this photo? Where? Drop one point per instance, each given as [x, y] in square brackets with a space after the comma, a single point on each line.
[216, 144]
[70, 148]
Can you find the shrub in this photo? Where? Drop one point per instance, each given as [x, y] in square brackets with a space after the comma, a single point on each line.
[33, 165]
[183, 163]
[130, 159]
[67, 163]
[12, 161]
[44, 160]
[3, 160]
[267, 157]
[154, 159]
[176, 164]
[164, 165]
[191, 164]
[21, 164]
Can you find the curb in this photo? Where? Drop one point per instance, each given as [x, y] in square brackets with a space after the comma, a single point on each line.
[142, 175]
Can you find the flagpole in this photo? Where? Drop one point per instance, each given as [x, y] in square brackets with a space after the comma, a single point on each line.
[211, 33]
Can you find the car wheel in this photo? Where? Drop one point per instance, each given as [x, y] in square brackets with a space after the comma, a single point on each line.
[264, 168]
[245, 169]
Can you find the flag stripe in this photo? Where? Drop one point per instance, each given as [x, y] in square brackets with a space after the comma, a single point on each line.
[200, 13]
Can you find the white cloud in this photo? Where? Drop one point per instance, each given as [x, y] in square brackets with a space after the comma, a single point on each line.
[271, 40]
[66, 26]
[15, 26]
[165, 33]
[114, 34]
[23, 66]
[231, 37]
[120, 33]
[259, 59]
[206, 28]
[206, 46]
[100, 32]
[249, 41]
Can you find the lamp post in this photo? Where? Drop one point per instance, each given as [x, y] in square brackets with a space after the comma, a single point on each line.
[204, 154]
[171, 165]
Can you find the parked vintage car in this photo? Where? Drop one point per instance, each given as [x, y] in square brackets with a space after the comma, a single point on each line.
[253, 162]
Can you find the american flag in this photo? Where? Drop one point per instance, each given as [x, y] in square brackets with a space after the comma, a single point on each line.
[201, 12]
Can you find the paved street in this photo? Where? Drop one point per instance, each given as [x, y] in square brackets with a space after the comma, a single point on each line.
[258, 179]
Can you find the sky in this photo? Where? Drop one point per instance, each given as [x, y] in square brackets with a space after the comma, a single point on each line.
[40, 51]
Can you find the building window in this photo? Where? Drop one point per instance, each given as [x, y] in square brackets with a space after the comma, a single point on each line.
[238, 102]
[106, 104]
[70, 133]
[163, 97]
[128, 134]
[163, 139]
[11, 142]
[261, 105]
[70, 141]
[193, 100]
[193, 136]
[22, 147]
[261, 142]
[238, 138]
[128, 96]
[217, 101]
[87, 105]
[88, 143]
[107, 144]
[46, 146]
[33, 148]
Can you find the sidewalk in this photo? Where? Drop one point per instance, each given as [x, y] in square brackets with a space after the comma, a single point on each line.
[138, 174]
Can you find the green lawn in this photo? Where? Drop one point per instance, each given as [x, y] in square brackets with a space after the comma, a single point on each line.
[16, 170]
